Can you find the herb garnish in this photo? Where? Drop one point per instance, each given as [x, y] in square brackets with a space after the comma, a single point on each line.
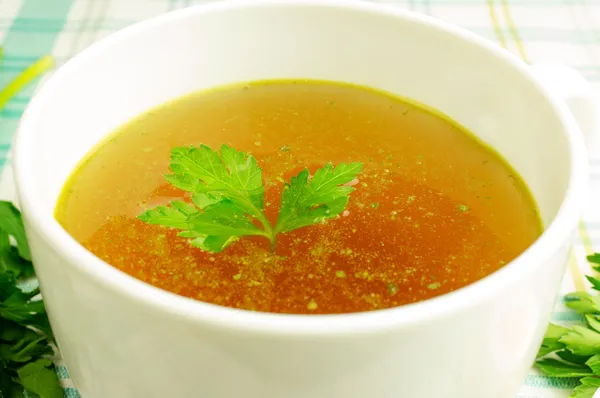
[228, 197]
[25, 335]
[575, 352]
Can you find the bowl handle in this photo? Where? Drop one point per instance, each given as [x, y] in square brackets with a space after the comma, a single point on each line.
[569, 85]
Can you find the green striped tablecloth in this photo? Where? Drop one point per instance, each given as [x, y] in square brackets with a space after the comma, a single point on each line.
[565, 31]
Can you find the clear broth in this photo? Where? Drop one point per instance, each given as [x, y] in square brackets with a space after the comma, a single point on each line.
[434, 209]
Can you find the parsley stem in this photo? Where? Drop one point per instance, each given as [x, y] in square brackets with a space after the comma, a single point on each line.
[273, 245]
[265, 223]
[27, 76]
[269, 233]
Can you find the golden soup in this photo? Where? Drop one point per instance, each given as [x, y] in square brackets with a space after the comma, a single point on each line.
[434, 209]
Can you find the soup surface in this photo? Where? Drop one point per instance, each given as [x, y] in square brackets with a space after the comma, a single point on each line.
[434, 209]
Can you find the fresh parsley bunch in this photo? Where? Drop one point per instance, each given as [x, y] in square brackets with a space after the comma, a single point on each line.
[575, 352]
[25, 335]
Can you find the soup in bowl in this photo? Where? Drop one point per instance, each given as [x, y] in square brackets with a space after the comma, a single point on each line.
[428, 207]
[222, 202]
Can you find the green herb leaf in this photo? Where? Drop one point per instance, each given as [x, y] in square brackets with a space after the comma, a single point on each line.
[221, 224]
[594, 258]
[39, 378]
[165, 216]
[8, 387]
[594, 364]
[307, 202]
[25, 333]
[228, 174]
[228, 197]
[551, 341]
[593, 322]
[19, 307]
[21, 344]
[583, 302]
[582, 341]
[578, 347]
[595, 282]
[556, 368]
[587, 389]
[11, 262]
[12, 224]
[568, 356]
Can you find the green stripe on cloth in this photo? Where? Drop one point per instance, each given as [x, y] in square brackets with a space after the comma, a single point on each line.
[23, 44]
[65, 378]
[566, 383]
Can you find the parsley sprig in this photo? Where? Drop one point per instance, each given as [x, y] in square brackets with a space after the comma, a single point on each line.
[575, 351]
[227, 197]
[25, 334]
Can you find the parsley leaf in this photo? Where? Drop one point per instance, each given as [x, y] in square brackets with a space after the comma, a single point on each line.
[551, 341]
[594, 281]
[578, 347]
[227, 174]
[594, 260]
[227, 197]
[594, 364]
[220, 224]
[583, 302]
[12, 224]
[38, 377]
[307, 202]
[587, 389]
[593, 322]
[556, 368]
[582, 340]
[25, 334]
[568, 356]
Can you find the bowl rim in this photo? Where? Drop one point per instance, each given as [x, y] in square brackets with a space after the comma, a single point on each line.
[558, 231]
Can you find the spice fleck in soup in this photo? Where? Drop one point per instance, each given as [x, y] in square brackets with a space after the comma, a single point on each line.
[432, 208]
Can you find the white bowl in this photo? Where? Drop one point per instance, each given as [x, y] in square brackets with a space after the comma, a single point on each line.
[122, 338]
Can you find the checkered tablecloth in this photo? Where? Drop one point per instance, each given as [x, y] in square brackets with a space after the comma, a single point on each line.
[563, 31]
